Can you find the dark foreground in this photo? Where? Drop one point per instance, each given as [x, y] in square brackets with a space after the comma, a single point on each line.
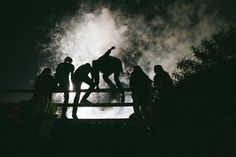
[190, 134]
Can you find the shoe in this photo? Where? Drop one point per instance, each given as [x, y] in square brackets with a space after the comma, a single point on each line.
[85, 102]
[74, 116]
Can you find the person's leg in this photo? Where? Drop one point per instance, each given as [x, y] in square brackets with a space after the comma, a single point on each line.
[108, 81]
[111, 84]
[147, 111]
[136, 105]
[118, 83]
[91, 84]
[65, 89]
[77, 87]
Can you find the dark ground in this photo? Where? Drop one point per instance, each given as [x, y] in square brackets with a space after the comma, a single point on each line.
[189, 132]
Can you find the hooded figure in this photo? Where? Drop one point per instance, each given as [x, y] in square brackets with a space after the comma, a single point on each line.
[141, 87]
[45, 84]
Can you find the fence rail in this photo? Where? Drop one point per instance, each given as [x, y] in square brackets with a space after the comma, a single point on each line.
[102, 90]
[60, 91]
[97, 105]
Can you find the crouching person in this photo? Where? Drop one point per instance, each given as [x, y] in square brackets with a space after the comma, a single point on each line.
[80, 76]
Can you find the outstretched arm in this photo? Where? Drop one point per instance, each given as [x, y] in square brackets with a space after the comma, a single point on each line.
[109, 51]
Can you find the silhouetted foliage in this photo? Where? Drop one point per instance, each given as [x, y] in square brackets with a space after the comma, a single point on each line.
[218, 48]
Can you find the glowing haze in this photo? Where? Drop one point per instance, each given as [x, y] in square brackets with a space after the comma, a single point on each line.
[87, 35]
[84, 38]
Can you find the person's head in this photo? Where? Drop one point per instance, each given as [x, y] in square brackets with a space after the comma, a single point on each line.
[158, 68]
[46, 71]
[138, 70]
[88, 65]
[68, 60]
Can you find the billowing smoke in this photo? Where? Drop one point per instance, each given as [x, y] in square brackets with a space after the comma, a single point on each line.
[139, 40]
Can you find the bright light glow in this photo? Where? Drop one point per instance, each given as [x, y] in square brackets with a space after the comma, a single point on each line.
[87, 37]
[84, 39]
[101, 112]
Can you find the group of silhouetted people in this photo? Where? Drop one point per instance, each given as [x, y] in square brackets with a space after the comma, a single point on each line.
[46, 84]
[140, 84]
[146, 92]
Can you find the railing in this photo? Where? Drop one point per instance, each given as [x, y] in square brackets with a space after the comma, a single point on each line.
[59, 91]
[182, 106]
[103, 90]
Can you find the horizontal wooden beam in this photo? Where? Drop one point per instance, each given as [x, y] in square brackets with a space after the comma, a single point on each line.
[60, 91]
[98, 105]
[96, 120]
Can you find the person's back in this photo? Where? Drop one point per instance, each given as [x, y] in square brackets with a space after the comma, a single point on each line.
[140, 83]
[162, 80]
[108, 65]
[63, 71]
[82, 72]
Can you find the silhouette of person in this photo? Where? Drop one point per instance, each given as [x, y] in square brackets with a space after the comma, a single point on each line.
[141, 87]
[44, 84]
[162, 81]
[63, 71]
[108, 65]
[80, 76]
[163, 108]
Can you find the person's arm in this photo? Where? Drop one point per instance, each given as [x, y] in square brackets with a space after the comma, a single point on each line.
[109, 51]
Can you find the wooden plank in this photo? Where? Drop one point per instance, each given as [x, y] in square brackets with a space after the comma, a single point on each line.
[98, 105]
[96, 120]
[59, 91]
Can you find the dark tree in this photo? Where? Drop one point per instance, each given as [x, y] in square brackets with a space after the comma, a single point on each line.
[219, 48]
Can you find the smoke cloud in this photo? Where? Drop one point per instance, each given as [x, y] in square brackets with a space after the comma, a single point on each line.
[139, 39]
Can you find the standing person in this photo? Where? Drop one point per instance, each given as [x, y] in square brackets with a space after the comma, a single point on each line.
[63, 71]
[108, 65]
[45, 84]
[141, 88]
[162, 81]
[164, 109]
[80, 76]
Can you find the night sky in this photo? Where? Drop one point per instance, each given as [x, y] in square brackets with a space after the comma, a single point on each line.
[26, 26]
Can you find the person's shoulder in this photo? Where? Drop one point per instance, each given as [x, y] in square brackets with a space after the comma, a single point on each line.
[72, 65]
[69, 65]
[60, 65]
[166, 73]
